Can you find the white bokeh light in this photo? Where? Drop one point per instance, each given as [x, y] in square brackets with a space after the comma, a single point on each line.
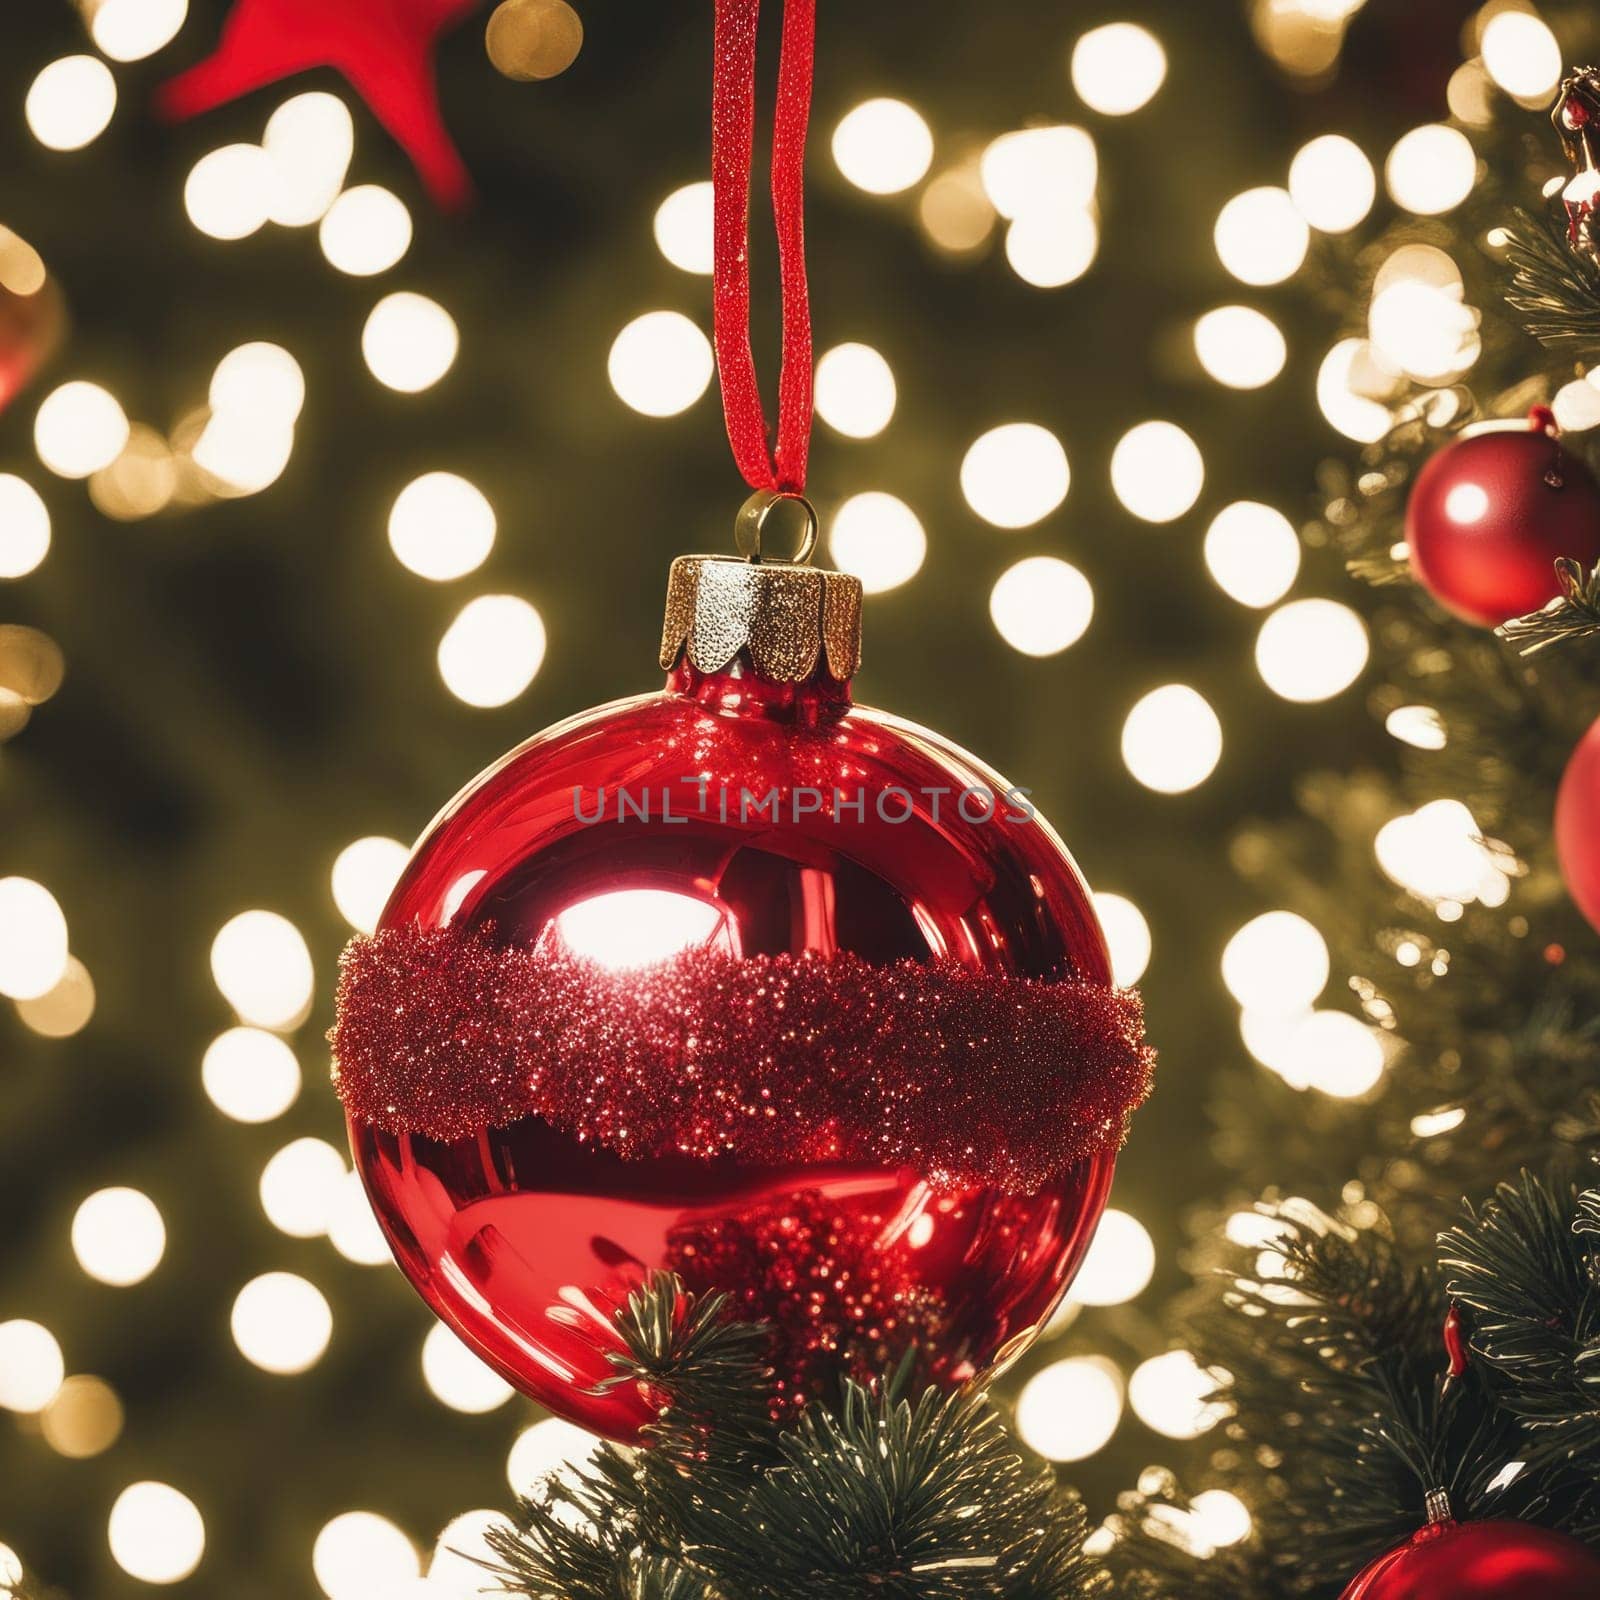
[24, 527]
[250, 1075]
[660, 364]
[260, 381]
[883, 146]
[156, 1533]
[684, 230]
[118, 1237]
[1261, 237]
[1127, 936]
[879, 539]
[1240, 347]
[1253, 553]
[463, 1556]
[308, 143]
[78, 429]
[130, 30]
[1522, 55]
[1437, 852]
[459, 1378]
[70, 103]
[353, 1228]
[1015, 475]
[364, 875]
[1041, 605]
[1349, 408]
[281, 1323]
[1311, 650]
[1070, 1409]
[855, 390]
[1172, 740]
[262, 966]
[31, 1366]
[1052, 248]
[65, 1008]
[33, 939]
[1120, 1262]
[301, 1187]
[409, 342]
[1332, 183]
[228, 192]
[1276, 963]
[1169, 1393]
[1431, 170]
[1157, 471]
[1329, 1051]
[1117, 68]
[366, 230]
[548, 1446]
[1419, 726]
[441, 526]
[362, 1556]
[240, 454]
[1052, 169]
[492, 651]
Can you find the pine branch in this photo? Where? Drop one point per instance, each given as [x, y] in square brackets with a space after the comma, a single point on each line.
[1555, 288]
[1573, 615]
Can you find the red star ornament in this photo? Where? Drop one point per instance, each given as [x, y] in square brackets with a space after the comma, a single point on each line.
[384, 48]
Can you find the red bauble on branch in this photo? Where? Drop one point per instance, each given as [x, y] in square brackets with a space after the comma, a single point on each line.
[1482, 1561]
[1490, 513]
[745, 981]
[1578, 825]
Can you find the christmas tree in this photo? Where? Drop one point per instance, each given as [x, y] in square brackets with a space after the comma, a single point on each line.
[1350, 1323]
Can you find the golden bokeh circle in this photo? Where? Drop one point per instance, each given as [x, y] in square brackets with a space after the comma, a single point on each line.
[530, 40]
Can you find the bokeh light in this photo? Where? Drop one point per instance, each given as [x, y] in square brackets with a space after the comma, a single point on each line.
[1120, 1262]
[31, 1366]
[250, 1075]
[1169, 1394]
[65, 1008]
[855, 390]
[1041, 605]
[441, 526]
[1261, 237]
[1417, 320]
[84, 1420]
[1522, 55]
[1172, 740]
[141, 481]
[353, 1229]
[883, 146]
[364, 876]
[492, 651]
[1431, 170]
[156, 1533]
[78, 429]
[1070, 1409]
[1127, 936]
[1419, 726]
[230, 191]
[532, 40]
[1015, 475]
[239, 454]
[1054, 168]
[118, 1237]
[459, 1378]
[33, 939]
[1050, 249]
[956, 213]
[660, 363]
[24, 527]
[409, 342]
[1437, 852]
[683, 228]
[71, 102]
[308, 143]
[1332, 183]
[1240, 347]
[1329, 1051]
[259, 380]
[1157, 471]
[301, 1187]
[879, 539]
[1344, 385]
[130, 30]
[362, 1556]
[262, 966]
[281, 1323]
[1117, 68]
[1311, 650]
[1253, 553]
[463, 1554]
[365, 231]
[548, 1446]
[1276, 963]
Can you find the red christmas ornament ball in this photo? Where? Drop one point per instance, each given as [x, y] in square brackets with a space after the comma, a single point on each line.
[1482, 1561]
[738, 980]
[1490, 513]
[1578, 825]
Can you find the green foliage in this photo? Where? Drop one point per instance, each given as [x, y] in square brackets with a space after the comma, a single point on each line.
[912, 1499]
[1554, 287]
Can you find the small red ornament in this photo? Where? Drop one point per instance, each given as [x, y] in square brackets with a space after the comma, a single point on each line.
[1577, 825]
[383, 48]
[1490, 513]
[745, 981]
[1456, 1349]
[1451, 1560]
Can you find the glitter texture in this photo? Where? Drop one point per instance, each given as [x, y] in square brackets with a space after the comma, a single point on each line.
[969, 1077]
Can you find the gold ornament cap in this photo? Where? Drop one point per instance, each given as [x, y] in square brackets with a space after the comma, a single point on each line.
[787, 615]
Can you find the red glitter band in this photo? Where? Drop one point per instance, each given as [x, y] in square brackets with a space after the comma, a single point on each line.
[972, 1078]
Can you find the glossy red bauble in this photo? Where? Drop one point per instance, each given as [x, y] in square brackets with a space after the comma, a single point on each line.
[1490, 513]
[1482, 1561]
[1578, 825]
[525, 1238]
